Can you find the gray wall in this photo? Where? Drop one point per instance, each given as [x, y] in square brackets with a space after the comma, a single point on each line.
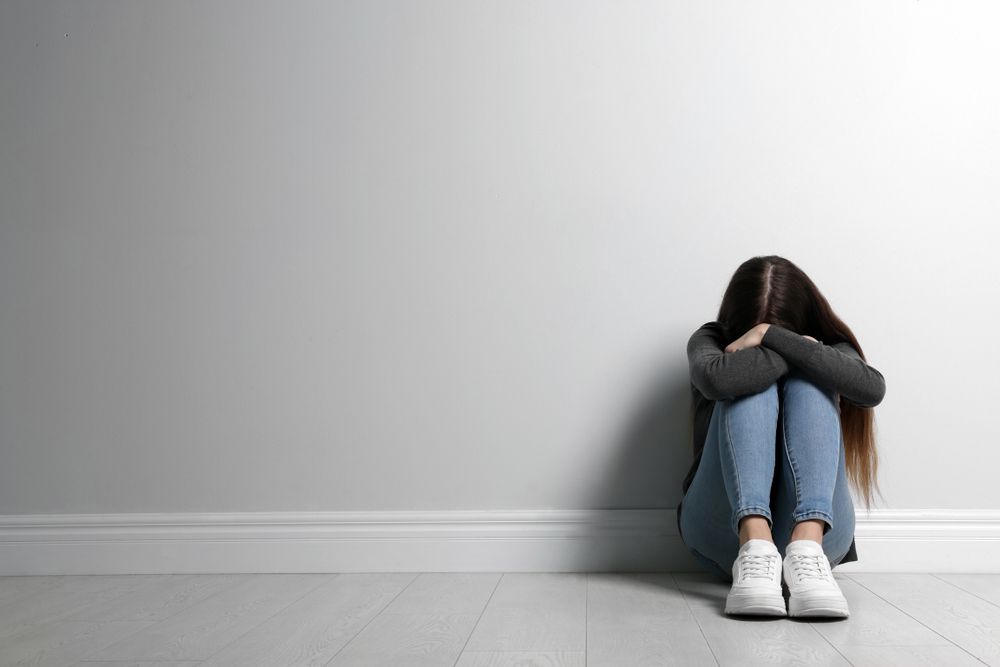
[446, 255]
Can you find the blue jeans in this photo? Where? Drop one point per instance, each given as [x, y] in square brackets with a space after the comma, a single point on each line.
[779, 454]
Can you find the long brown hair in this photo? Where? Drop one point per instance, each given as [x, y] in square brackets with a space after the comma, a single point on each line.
[773, 289]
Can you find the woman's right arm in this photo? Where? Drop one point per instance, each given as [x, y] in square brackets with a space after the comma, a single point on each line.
[718, 374]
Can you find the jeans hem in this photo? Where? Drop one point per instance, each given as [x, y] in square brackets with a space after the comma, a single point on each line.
[816, 514]
[753, 509]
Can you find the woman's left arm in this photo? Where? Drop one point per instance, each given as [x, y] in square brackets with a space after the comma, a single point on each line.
[838, 366]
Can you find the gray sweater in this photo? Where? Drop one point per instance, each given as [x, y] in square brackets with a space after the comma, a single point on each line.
[716, 374]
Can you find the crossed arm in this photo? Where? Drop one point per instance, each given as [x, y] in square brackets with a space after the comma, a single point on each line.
[721, 375]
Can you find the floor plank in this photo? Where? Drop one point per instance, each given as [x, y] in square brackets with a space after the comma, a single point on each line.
[641, 619]
[210, 625]
[874, 622]
[522, 659]
[985, 586]
[13, 588]
[70, 595]
[62, 643]
[161, 599]
[534, 611]
[909, 656]
[318, 625]
[415, 640]
[446, 593]
[965, 619]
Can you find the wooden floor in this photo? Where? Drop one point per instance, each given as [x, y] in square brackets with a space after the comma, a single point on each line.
[543, 619]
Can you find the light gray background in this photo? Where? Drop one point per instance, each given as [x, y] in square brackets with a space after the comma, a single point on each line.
[447, 255]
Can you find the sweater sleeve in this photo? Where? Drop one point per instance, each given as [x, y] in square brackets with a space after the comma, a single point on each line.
[838, 366]
[718, 374]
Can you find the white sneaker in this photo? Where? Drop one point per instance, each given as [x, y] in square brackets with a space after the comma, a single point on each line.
[812, 589]
[756, 580]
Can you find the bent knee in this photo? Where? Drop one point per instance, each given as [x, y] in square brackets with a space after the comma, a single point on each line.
[798, 385]
[768, 396]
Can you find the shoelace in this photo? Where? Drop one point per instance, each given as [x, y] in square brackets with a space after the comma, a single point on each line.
[809, 566]
[757, 565]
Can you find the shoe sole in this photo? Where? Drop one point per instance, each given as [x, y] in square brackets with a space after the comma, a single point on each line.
[818, 608]
[756, 605]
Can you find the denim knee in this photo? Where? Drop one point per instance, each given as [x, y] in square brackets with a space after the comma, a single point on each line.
[767, 395]
[795, 379]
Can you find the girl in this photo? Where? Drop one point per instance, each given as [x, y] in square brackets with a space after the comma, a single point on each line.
[782, 399]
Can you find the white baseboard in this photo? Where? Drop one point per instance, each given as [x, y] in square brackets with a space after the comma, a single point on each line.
[937, 540]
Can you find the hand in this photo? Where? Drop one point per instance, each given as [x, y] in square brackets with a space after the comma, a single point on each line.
[810, 338]
[750, 338]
